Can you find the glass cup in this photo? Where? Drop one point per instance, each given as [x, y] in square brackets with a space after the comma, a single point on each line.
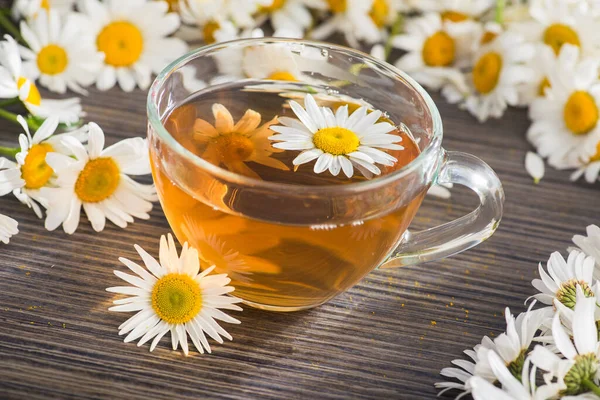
[288, 246]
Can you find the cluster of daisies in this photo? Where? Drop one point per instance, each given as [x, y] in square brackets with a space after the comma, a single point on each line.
[550, 351]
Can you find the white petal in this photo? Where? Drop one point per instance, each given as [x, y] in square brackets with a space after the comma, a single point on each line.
[534, 165]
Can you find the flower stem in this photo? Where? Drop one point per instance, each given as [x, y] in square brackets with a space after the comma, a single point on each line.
[396, 28]
[9, 151]
[591, 385]
[9, 102]
[9, 27]
[500, 11]
[13, 117]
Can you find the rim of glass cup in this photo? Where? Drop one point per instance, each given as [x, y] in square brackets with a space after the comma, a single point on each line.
[165, 135]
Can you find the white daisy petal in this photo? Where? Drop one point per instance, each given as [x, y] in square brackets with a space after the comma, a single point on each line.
[534, 165]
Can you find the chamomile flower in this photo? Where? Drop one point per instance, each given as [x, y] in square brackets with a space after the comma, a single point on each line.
[541, 64]
[565, 125]
[590, 244]
[61, 55]
[15, 83]
[8, 228]
[339, 142]
[353, 19]
[580, 362]
[133, 37]
[98, 179]
[173, 296]
[232, 145]
[435, 52]
[563, 277]
[34, 172]
[556, 22]
[457, 10]
[498, 72]
[292, 14]
[30, 9]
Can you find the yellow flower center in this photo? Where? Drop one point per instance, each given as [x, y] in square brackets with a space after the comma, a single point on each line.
[580, 112]
[282, 76]
[487, 37]
[337, 6]
[173, 5]
[45, 4]
[176, 298]
[275, 5]
[486, 72]
[438, 50]
[121, 42]
[544, 84]
[52, 60]
[337, 141]
[558, 34]
[34, 97]
[380, 12]
[209, 31]
[234, 147]
[98, 180]
[454, 16]
[596, 157]
[35, 172]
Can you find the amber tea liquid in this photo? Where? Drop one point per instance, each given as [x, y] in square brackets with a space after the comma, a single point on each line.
[273, 265]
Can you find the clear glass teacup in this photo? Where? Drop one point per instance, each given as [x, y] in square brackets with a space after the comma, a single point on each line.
[288, 244]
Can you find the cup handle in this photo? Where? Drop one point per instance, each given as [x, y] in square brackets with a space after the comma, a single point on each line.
[465, 232]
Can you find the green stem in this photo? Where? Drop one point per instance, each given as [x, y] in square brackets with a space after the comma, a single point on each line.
[13, 117]
[9, 102]
[9, 151]
[500, 11]
[590, 385]
[396, 28]
[7, 24]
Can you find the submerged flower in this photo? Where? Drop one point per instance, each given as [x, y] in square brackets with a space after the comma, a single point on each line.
[97, 179]
[232, 145]
[174, 297]
[133, 38]
[61, 53]
[339, 142]
[8, 228]
[565, 125]
[15, 83]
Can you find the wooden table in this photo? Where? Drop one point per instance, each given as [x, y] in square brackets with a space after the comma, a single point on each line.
[386, 338]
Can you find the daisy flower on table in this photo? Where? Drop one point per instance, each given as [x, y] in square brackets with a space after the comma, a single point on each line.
[563, 277]
[541, 64]
[292, 14]
[352, 18]
[172, 296]
[98, 179]
[232, 145]
[590, 244]
[60, 54]
[8, 228]
[497, 75]
[339, 142]
[579, 364]
[556, 22]
[30, 9]
[565, 127]
[457, 10]
[132, 35]
[31, 168]
[15, 83]
[435, 52]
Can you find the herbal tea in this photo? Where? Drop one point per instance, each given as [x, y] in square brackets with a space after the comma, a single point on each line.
[287, 138]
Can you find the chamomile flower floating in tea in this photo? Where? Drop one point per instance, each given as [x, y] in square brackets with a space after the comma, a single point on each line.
[339, 142]
[14, 83]
[232, 145]
[8, 228]
[133, 38]
[174, 297]
[33, 171]
[435, 50]
[98, 179]
[60, 58]
[565, 127]
[498, 72]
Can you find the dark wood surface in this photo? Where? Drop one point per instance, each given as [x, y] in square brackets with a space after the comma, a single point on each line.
[386, 338]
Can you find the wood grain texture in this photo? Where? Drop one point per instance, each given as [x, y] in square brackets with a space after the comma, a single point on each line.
[386, 338]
